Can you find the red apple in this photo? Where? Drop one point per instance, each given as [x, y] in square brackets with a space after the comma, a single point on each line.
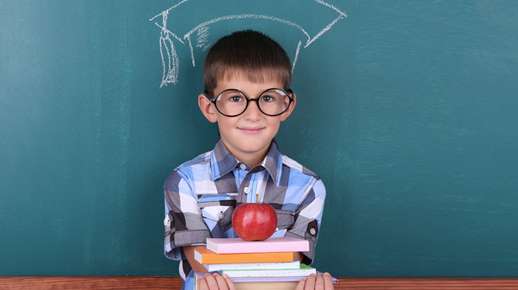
[254, 221]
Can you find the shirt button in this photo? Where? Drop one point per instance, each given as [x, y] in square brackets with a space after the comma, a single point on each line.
[246, 189]
[312, 231]
[242, 166]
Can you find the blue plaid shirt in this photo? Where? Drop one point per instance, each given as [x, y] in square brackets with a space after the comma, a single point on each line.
[200, 195]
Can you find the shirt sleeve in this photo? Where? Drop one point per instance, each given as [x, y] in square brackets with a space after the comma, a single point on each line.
[183, 224]
[308, 219]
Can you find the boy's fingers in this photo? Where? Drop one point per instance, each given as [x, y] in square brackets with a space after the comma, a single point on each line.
[229, 282]
[211, 282]
[202, 284]
[310, 282]
[319, 282]
[328, 283]
[222, 285]
[300, 286]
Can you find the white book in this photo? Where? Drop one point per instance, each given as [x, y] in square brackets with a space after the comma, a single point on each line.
[303, 271]
[252, 266]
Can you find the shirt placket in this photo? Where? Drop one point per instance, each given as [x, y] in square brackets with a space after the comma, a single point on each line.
[247, 181]
[252, 186]
[242, 182]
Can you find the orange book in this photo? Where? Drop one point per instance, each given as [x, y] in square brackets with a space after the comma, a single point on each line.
[205, 256]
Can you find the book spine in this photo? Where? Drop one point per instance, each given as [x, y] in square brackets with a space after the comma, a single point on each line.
[278, 257]
[266, 273]
[252, 266]
[298, 246]
[266, 285]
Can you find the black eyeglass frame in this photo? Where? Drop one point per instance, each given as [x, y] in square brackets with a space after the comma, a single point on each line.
[213, 99]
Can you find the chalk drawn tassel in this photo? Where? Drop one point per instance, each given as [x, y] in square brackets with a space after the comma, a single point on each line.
[169, 60]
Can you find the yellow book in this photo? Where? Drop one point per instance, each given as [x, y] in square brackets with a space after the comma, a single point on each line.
[205, 256]
[292, 285]
[266, 286]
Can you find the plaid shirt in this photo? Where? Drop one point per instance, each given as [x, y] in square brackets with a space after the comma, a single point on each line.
[200, 195]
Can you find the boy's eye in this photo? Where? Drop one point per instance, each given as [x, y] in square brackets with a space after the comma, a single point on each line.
[268, 98]
[235, 98]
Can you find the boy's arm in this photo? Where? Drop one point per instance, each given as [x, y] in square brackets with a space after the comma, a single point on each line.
[308, 218]
[189, 254]
[214, 281]
[183, 223]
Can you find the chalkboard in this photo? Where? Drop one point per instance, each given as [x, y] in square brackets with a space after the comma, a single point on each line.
[407, 111]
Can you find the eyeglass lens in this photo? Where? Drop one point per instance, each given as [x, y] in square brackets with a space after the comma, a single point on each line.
[270, 102]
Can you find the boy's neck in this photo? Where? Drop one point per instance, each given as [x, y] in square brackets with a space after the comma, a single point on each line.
[250, 159]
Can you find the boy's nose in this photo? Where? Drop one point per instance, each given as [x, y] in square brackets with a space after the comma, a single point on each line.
[252, 111]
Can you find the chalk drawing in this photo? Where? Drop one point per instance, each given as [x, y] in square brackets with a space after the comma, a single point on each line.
[200, 32]
[202, 35]
[170, 62]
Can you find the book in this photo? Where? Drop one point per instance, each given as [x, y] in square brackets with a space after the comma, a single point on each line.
[250, 266]
[273, 279]
[262, 285]
[237, 245]
[265, 283]
[238, 280]
[206, 256]
[266, 286]
[303, 271]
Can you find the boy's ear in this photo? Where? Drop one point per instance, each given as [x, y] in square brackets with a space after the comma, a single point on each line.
[207, 108]
[290, 110]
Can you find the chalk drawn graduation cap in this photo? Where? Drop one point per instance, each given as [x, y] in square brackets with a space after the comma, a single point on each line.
[183, 24]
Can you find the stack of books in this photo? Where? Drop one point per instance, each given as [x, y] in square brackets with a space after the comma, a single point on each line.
[268, 264]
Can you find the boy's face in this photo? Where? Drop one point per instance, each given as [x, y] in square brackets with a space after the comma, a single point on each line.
[247, 136]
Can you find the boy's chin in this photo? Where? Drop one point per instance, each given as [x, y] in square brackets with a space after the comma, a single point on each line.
[252, 145]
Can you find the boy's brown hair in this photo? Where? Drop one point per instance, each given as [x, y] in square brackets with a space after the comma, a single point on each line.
[249, 52]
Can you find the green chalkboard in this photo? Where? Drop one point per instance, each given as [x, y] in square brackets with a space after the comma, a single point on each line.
[407, 110]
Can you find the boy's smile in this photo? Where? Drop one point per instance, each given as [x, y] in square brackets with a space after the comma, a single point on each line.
[249, 135]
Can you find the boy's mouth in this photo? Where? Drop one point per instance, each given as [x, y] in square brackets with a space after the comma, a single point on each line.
[251, 130]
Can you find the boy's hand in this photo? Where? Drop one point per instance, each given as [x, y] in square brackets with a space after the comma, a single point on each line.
[316, 282]
[214, 281]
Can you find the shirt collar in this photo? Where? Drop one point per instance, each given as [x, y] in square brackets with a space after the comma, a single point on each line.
[222, 161]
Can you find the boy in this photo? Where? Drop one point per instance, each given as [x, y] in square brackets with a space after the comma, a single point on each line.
[247, 77]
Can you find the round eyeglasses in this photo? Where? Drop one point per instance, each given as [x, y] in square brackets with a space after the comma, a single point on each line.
[271, 102]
